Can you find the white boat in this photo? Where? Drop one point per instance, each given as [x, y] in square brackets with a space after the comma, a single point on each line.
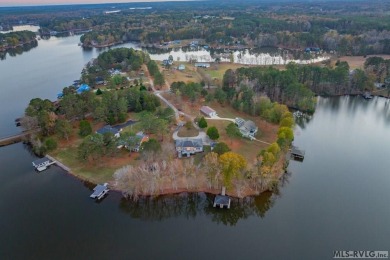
[99, 191]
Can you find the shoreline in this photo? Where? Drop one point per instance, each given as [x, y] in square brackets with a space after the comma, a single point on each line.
[4, 49]
[170, 191]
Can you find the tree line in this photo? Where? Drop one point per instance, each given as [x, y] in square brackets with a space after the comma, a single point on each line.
[295, 86]
[15, 39]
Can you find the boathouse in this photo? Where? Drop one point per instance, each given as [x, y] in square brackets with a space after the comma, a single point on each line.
[99, 191]
[297, 153]
[222, 200]
[41, 162]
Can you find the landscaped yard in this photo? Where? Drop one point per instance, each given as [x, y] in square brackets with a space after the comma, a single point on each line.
[249, 149]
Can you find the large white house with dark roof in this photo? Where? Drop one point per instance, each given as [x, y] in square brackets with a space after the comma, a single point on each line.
[188, 147]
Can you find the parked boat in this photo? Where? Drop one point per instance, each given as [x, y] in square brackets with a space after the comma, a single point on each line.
[99, 191]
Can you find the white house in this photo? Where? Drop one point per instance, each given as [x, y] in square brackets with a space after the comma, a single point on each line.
[208, 111]
[188, 147]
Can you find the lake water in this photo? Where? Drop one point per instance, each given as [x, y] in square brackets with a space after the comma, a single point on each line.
[336, 199]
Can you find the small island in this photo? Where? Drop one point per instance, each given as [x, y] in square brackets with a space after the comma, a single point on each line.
[20, 39]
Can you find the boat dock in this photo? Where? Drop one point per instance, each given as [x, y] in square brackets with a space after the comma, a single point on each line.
[99, 191]
[13, 139]
[42, 163]
[222, 200]
[367, 95]
[297, 153]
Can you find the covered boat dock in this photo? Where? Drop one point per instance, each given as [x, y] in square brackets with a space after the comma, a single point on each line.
[99, 191]
[222, 200]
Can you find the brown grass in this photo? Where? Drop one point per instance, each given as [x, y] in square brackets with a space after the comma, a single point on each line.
[185, 132]
[188, 75]
[357, 62]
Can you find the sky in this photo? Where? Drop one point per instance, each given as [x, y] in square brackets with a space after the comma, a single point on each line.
[55, 2]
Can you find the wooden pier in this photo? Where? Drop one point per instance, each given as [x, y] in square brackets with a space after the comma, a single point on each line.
[297, 153]
[13, 139]
[222, 200]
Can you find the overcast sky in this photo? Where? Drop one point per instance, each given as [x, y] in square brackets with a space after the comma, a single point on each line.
[52, 2]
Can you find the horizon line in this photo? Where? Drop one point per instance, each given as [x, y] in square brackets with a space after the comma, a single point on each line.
[102, 3]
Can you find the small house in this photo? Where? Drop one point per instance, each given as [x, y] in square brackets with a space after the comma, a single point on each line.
[167, 62]
[379, 85]
[208, 111]
[202, 65]
[188, 147]
[109, 129]
[181, 67]
[115, 72]
[141, 138]
[248, 129]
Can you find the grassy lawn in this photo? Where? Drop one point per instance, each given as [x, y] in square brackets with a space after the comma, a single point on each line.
[187, 132]
[218, 70]
[188, 75]
[95, 171]
[247, 148]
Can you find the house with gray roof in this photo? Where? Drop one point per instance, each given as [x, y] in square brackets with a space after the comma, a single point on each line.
[188, 147]
[248, 129]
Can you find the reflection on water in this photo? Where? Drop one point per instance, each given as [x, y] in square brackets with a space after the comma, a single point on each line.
[243, 56]
[18, 50]
[191, 205]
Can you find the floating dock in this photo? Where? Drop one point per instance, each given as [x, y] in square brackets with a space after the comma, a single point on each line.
[222, 200]
[99, 191]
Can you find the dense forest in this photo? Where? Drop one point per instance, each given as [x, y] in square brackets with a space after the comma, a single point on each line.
[16, 39]
[110, 106]
[296, 86]
[348, 28]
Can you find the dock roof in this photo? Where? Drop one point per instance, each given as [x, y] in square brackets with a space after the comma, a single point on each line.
[98, 190]
[41, 161]
[222, 200]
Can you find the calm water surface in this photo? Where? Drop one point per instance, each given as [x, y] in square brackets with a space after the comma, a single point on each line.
[336, 199]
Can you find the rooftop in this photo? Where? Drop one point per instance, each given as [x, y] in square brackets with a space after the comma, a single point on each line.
[207, 110]
[189, 143]
[107, 129]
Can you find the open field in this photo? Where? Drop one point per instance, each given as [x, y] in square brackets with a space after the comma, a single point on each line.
[357, 62]
[189, 74]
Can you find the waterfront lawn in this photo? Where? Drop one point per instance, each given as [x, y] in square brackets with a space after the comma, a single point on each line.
[98, 171]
